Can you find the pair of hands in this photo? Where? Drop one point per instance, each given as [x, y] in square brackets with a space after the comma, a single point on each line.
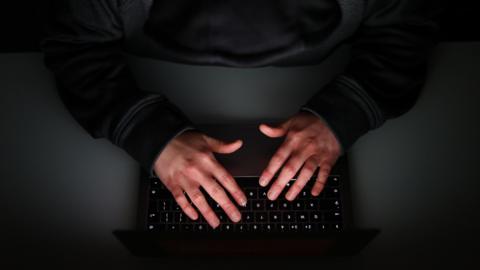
[188, 163]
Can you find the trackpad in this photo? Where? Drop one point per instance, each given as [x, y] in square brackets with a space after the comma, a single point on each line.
[254, 155]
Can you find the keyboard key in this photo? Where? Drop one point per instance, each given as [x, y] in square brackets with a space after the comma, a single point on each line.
[251, 193]
[285, 205]
[328, 204]
[200, 227]
[333, 216]
[283, 228]
[248, 217]
[153, 217]
[275, 217]
[165, 205]
[156, 227]
[172, 228]
[240, 227]
[262, 194]
[165, 217]
[331, 192]
[303, 194]
[302, 217]
[179, 217]
[311, 205]
[226, 227]
[272, 205]
[333, 181]
[261, 217]
[323, 227]
[294, 227]
[186, 227]
[157, 193]
[288, 217]
[268, 227]
[298, 205]
[255, 227]
[307, 227]
[258, 205]
[155, 182]
[222, 216]
[315, 216]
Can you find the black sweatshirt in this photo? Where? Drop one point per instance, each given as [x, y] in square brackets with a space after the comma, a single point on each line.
[85, 39]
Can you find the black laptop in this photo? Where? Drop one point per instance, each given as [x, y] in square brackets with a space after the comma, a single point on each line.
[229, 103]
[306, 226]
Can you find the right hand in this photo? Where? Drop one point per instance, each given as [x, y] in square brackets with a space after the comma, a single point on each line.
[187, 163]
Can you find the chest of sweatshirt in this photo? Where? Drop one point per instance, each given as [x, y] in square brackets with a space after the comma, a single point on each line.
[239, 33]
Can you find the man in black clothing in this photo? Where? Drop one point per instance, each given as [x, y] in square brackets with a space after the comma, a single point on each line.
[84, 43]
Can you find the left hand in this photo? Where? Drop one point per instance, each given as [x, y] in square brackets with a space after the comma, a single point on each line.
[308, 142]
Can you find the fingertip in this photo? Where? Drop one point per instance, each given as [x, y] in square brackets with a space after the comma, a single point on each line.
[264, 128]
[240, 142]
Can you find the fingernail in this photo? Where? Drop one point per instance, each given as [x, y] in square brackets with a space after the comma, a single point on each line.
[263, 181]
[243, 202]
[289, 196]
[272, 194]
[236, 217]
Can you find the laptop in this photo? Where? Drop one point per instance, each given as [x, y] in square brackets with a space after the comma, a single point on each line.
[307, 226]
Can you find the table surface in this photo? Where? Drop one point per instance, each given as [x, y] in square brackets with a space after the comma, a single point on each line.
[416, 178]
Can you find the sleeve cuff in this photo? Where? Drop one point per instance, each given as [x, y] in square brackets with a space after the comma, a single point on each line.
[347, 109]
[150, 130]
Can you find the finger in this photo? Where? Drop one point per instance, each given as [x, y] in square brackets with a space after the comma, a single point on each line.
[182, 201]
[288, 171]
[196, 196]
[222, 147]
[323, 173]
[224, 178]
[218, 194]
[274, 132]
[302, 179]
[275, 163]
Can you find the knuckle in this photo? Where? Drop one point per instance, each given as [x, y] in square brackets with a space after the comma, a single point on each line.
[310, 146]
[224, 177]
[267, 172]
[203, 157]
[276, 186]
[296, 188]
[289, 169]
[216, 191]
[236, 193]
[208, 213]
[228, 207]
[190, 168]
[278, 158]
[294, 137]
[197, 197]
[178, 198]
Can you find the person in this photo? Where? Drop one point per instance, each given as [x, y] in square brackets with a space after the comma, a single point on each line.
[84, 41]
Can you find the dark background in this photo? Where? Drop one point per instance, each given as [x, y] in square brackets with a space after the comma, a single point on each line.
[20, 28]
[456, 215]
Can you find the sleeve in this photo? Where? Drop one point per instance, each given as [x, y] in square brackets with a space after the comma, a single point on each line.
[82, 46]
[386, 72]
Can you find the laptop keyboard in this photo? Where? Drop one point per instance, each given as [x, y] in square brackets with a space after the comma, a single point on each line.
[304, 214]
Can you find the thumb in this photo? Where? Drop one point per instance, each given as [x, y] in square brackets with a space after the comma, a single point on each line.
[222, 147]
[274, 132]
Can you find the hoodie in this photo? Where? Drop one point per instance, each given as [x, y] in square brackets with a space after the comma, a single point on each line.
[84, 41]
